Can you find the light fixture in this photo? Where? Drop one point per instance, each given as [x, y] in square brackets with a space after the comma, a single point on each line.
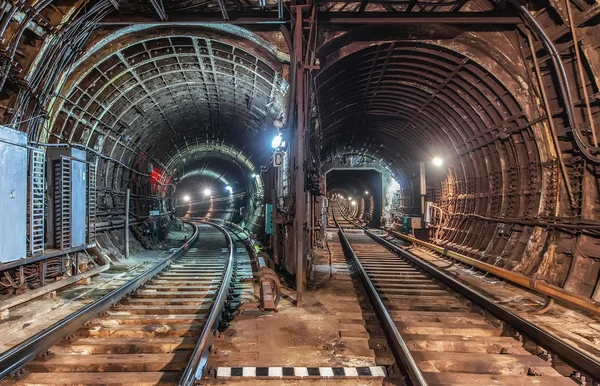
[254, 175]
[366, 192]
[186, 198]
[276, 142]
[207, 192]
[349, 198]
[278, 123]
[353, 202]
[228, 188]
[437, 161]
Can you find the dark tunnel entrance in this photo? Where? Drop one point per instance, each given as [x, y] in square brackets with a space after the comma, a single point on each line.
[361, 186]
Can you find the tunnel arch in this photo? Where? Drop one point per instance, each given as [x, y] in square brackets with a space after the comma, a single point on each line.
[405, 101]
[148, 97]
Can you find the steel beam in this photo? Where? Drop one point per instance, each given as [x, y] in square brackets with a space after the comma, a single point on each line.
[300, 212]
[493, 17]
[160, 9]
[331, 18]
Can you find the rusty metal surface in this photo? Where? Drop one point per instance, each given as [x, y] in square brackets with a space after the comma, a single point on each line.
[521, 187]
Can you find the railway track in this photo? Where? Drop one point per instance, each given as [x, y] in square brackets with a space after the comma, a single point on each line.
[441, 337]
[158, 334]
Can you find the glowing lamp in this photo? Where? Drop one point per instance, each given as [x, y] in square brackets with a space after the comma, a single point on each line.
[276, 142]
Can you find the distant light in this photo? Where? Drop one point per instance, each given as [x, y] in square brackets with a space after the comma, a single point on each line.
[254, 175]
[437, 161]
[228, 188]
[349, 198]
[207, 192]
[278, 124]
[276, 141]
[366, 192]
[353, 202]
[186, 198]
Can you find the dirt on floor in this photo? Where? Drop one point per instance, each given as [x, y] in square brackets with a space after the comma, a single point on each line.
[330, 328]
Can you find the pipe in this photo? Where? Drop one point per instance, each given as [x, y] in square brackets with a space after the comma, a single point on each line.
[580, 72]
[561, 162]
[516, 278]
[562, 80]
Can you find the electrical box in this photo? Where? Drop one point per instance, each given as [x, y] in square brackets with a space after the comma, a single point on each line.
[13, 194]
[428, 212]
[269, 219]
[67, 175]
[411, 223]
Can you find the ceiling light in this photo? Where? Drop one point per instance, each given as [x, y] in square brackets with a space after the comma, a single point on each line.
[228, 188]
[353, 202]
[186, 198]
[207, 192]
[276, 142]
[437, 161]
[366, 192]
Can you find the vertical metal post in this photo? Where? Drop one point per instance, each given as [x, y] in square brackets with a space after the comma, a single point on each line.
[299, 188]
[127, 223]
[423, 190]
[275, 239]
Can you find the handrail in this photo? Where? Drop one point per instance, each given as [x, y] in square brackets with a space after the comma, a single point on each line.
[538, 286]
[17, 357]
[399, 346]
[195, 367]
[567, 353]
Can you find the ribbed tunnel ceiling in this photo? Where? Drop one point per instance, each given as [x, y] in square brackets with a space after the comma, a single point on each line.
[396, 82]
[171, 92]
[407, 101]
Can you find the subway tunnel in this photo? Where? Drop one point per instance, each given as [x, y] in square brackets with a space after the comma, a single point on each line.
[467, 128]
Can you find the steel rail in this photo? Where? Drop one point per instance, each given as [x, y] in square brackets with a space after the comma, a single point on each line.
[538, 286]
[399, 346]
[199, 359]
[14, 359]
[574, 357]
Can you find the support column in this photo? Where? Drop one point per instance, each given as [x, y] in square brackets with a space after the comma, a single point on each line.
[300, 212]
[422, 190]
[127, 223]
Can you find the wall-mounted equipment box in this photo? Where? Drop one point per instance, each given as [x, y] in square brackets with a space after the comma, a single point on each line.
[67, 202]
[269, 218]
[411, 223]
[13, 194]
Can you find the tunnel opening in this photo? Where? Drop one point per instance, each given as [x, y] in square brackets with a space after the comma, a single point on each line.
[360, 188]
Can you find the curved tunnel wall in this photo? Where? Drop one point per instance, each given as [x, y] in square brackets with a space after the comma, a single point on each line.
[406, 101]
[469, 95]
[151, 100]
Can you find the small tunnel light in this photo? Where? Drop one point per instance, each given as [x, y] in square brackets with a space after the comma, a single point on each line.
[276, 141]
[186, 198]
[437, 161]
[349, 198]
[366, 192]
[228, 188]
[353, 202]
[207, 192]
